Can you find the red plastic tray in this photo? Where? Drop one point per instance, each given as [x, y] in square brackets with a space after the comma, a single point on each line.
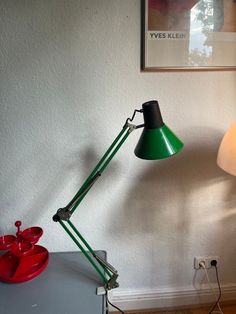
[15, 269]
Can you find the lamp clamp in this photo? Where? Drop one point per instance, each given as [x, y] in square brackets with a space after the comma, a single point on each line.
[112, 283]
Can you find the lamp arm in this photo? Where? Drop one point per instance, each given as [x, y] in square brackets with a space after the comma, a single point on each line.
[84, 191]
[102, 166]
[66, 212]
[63, 215]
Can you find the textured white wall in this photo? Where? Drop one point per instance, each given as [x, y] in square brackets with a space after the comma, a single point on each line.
[70, 76]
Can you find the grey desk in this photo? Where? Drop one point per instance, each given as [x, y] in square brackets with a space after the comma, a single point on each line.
[67, 286]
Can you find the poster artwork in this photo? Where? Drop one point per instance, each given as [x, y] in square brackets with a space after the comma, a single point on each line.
[201, 33]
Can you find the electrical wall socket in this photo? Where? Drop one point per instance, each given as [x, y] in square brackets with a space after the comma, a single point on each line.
[206, 259]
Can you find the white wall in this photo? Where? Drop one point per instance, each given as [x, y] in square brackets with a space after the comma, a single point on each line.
[70, 76]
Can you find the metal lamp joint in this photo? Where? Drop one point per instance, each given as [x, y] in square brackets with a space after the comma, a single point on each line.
[62, 214]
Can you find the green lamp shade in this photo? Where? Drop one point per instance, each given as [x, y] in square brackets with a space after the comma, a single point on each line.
[158, 143]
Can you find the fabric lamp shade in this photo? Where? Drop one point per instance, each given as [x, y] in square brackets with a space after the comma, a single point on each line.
[157, 141]
[226, 158]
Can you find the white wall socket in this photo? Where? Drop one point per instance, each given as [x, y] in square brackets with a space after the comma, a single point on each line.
[206, 259]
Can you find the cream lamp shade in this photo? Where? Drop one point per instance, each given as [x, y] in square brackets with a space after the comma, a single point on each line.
[226, 158]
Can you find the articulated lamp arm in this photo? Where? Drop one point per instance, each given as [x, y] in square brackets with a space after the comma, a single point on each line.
[106, 271]
[156, 142]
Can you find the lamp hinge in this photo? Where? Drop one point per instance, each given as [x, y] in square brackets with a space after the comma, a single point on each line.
[62, 214]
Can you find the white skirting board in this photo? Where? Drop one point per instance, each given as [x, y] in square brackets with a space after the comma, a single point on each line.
[163, 298]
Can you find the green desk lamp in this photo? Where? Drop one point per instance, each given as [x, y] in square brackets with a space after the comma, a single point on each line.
[156, 142]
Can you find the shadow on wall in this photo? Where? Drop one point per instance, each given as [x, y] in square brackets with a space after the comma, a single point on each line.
[34, 184]
[174, 200]
[171, 182]
[38, 178]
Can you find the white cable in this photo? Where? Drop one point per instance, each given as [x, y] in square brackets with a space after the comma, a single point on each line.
[202, 264]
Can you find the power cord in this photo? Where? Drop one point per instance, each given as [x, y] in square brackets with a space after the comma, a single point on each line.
[217, 304]
[116, 307]
[219, 297]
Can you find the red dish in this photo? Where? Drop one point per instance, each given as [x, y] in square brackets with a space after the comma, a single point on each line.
[15, 269]
[24, 260]
[7, 241]
[21, 248]
[32, 234]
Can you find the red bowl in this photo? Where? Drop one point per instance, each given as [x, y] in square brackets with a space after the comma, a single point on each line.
[14, 269]
[32, 234]
[7, 241]
[21, 248]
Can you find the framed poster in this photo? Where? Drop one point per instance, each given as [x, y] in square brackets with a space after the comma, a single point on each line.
[188, 35]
